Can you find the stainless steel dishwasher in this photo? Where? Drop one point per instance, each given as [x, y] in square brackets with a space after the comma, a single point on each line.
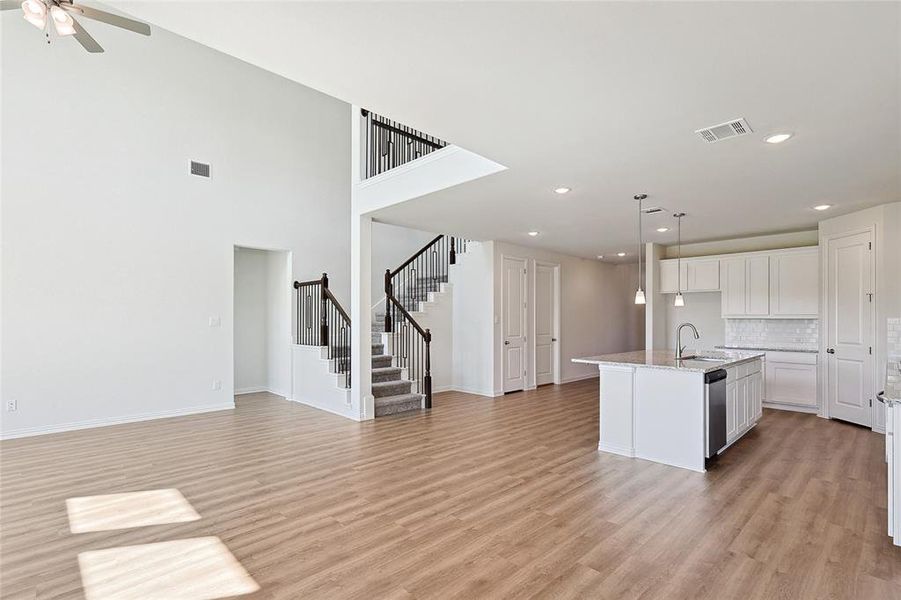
[715, 413]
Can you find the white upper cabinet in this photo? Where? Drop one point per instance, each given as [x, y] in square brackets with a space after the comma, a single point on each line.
[774, 284]
[702, 275]
[794, 284]
[697, 275]
[734, 280]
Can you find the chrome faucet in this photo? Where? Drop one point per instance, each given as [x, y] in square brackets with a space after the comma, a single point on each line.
[679, 347]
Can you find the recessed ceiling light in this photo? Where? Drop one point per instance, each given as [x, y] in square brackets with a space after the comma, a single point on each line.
[562, 190]
[600, 257]
[778, 138]
[822, 207]
[620, 253]
[662, 229]
[533, 233]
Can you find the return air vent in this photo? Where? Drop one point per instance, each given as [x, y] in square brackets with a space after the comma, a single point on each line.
[200, 169]
[651, 210]
[724, 131]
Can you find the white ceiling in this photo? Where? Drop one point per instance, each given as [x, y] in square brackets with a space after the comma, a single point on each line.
[603, 98]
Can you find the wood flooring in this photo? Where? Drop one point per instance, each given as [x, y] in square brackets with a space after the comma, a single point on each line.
[478, 498]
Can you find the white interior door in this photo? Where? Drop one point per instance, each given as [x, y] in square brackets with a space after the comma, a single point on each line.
[849, 328]
[514, 324]
[546, 339]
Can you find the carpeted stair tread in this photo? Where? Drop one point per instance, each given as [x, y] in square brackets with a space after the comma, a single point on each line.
[391, 405]
[391, 388]
[380, 374]
[381, 360]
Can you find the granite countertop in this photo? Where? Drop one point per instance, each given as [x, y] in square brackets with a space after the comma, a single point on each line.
[769, 349]
[666, 359]
[892, 395]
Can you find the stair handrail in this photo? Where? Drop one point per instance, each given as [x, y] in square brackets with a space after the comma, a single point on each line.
[337, 340]
[425, 333]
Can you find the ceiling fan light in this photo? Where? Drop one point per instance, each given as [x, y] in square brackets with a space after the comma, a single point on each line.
[63, 21]
[35, 12]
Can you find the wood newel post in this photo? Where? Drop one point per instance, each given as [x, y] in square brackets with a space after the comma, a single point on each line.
[453, 251]
[323, 311]
[427, 379]
[388, 292]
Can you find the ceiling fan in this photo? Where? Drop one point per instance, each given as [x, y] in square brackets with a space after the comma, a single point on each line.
[60, 12]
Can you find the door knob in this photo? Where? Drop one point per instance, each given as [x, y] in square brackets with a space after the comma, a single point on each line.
[553, 339]
[830, 350]
[506, 342]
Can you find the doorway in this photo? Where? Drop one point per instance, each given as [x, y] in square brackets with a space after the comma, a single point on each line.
[849, 326]
[547, 323]
[262, 321]
[513, 316]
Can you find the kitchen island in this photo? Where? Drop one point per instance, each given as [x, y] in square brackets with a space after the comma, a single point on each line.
[679, 412]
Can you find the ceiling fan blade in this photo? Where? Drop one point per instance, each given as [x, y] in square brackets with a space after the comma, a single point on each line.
[85, 39]
[108, 18]
[10, 4]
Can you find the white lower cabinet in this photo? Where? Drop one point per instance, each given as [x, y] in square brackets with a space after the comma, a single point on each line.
[744, 400]
[791, 380]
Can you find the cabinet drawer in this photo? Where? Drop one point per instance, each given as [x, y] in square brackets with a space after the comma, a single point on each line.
[798, 358]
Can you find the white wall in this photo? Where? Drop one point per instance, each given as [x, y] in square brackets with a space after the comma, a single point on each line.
[391, 246]
[473, 320]
[703, 309]
[251, 322]
[114, 257]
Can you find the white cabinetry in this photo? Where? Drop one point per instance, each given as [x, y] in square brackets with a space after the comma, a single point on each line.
[744, 401]
[791, 380]
[697, 275]
[745, 286]
[773, 284]
[794, 284]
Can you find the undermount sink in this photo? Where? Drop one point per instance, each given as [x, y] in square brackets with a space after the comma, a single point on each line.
[704, 358]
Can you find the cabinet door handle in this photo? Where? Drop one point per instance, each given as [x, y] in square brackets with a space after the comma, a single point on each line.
[830, 350]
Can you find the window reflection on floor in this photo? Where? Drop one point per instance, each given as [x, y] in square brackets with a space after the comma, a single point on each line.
[190, 569]
[130, 509]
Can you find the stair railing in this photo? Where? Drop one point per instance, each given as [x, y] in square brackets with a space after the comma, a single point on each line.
[322, 321]
[405, 287]
[388, 144]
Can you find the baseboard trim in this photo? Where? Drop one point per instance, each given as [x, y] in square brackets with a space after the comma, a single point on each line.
[347, 414]
[251, 390]
[463, 390]
[803, 409]
[93, 423]
[614, 449]
[576, 378]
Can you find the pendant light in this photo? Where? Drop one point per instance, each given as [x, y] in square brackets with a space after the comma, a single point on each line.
[679, 301]
[639, 294]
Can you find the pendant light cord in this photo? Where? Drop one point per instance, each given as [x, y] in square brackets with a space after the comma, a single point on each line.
[639, 241]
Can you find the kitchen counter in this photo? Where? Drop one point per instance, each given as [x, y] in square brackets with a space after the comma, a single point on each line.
[666, 359]
[657, 408]
[770, 349]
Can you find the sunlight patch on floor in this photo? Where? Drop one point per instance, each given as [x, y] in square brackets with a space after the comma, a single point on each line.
[131, 509]
[191, 569]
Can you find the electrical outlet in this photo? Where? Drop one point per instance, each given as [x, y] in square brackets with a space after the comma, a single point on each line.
[217, 385]
[11, 406]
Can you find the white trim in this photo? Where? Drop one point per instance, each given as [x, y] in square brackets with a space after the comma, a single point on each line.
[348, 414]
[575, 378]
[253, 390]
[621, 450]
[92, 423]
[406, 167]
[802, 409]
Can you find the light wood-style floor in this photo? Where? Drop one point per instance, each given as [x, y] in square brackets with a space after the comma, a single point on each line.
[480, 498]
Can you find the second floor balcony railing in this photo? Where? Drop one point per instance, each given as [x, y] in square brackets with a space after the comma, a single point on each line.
[388, 144]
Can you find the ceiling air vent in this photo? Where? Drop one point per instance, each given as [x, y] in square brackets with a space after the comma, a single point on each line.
[725, 130]
[651, 210]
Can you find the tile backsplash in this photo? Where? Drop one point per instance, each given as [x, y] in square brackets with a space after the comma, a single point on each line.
[893, 348]
[801, 334]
